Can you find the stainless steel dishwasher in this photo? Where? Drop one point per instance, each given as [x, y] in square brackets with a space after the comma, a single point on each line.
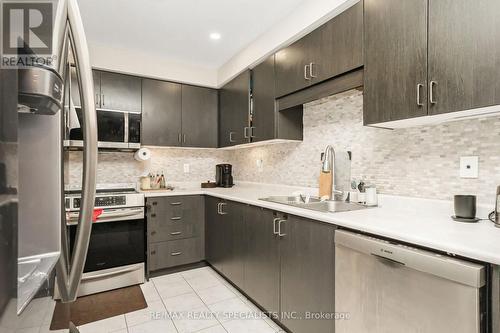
[382, 287]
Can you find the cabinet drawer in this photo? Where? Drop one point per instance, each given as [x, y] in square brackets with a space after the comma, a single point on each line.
[164, 232]
[175, 253]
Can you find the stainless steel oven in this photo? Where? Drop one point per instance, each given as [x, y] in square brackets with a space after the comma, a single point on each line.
[116, 253]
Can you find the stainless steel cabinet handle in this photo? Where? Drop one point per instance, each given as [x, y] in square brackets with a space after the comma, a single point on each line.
[311, 70]
[97, 99]
[218, 208]
[153, 215]
[222, 212]
[275, 220]
[306, 71]
[431, 92]
[175, 218]
[184, 138]
[69, 272]
[279, 228]
[103, 100]
[173, 254]
[175, 233]
[231, 137]
[245, 132]
[419, 87]
[179, 137]
[176, 203]
[252, 132]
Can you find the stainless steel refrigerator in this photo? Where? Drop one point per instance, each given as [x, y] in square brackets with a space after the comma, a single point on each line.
[33, 101]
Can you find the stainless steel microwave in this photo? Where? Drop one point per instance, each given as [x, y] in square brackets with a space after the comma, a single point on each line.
[115, 129]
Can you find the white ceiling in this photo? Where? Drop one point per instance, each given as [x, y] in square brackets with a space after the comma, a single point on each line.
[178, 31]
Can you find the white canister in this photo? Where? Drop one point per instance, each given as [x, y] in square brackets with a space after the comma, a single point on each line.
[371, 197]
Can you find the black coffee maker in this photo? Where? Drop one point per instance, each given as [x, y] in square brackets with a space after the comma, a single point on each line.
[223, 176]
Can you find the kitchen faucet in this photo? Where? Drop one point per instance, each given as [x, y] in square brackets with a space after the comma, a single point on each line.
[329, 166]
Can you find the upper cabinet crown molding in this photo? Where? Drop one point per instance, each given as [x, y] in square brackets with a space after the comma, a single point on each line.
[435, 58]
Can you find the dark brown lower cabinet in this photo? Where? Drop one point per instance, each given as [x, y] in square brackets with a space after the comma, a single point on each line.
[233, 219]
[291, 275]
[262, 259]
[307, 275]
[214, 235]
[175, 229]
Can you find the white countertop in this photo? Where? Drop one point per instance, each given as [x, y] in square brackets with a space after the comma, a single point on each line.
[423, 222]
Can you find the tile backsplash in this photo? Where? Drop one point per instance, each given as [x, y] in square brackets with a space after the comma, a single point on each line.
[121, 167]
[420, 161]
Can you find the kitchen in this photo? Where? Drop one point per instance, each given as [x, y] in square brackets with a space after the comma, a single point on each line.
[335, 168]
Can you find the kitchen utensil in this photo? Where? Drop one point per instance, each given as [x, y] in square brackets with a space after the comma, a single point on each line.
[465, 206]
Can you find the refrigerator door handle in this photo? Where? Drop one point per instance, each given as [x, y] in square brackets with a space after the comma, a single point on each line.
[70, 272]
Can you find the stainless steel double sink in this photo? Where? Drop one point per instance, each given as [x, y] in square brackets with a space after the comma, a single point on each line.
[315, 203]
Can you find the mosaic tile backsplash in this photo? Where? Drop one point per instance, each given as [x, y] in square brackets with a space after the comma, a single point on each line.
[420, 161]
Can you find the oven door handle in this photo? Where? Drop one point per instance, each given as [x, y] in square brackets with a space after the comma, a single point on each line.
[95, 275]
[111, 215]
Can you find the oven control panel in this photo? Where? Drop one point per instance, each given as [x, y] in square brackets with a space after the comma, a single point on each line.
[104, 201]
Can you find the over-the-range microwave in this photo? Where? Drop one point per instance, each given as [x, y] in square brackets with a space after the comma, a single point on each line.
[116, 129]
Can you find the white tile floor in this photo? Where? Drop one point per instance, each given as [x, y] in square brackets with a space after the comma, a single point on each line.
[198, 300]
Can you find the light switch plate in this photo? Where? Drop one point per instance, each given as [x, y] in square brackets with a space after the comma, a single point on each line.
[186, 168]
[469, 167]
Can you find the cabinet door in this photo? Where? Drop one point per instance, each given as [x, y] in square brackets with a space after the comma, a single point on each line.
[161, 115]
[340, 47]
[307, 274]
[263, 94]
[199, 117]
[120, 92]
[175, 218]
[395, 72]
[234, 110]
[215, 239]
[235, 239]
[75, 91]
[291, 73]
[262, 259]
[464, 54]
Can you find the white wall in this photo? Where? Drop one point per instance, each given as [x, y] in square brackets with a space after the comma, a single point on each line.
[305, 18]
[143, 64]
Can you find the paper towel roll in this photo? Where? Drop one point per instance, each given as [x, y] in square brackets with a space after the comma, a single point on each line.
[142, 154]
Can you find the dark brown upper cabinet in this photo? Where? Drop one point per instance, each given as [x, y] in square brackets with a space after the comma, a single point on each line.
[161, 113]
[263, 101]
[395, 72]
[464, 55]
[119, 92]
[75, 91]
[177, 115]
[333, 49]
[234, 104]
[199, 117]
[267, 123]
[429, 57]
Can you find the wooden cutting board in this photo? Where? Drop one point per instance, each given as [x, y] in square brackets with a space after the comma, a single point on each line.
[325, 184]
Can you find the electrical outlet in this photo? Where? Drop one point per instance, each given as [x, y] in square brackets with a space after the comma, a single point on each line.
[469, 167]
[260, 165]
[186, 168]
